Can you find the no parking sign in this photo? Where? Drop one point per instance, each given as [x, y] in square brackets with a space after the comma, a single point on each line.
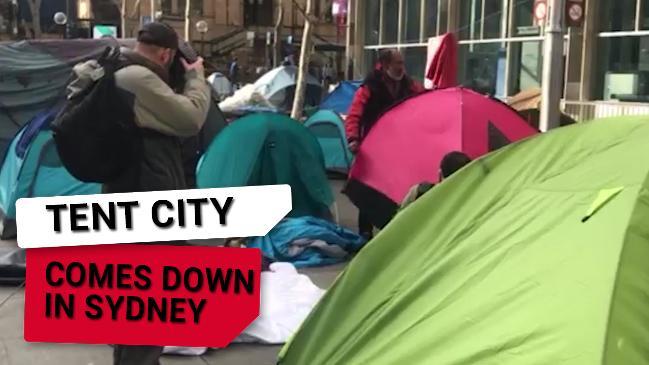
[540, 11]
[575, 13]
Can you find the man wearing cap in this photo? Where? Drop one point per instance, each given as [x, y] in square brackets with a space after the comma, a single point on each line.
[164, 115]
[165, 118]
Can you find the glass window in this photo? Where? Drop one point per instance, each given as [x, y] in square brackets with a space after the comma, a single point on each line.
[390, 21]
[481, 67]
[372, 16]
[167, 7]
[524, 18]
[470, 11]
[371, 56]
[411, 20]
[432, 13]
[473, 25]
[617, 15]
[415, 60]
[644, 15]
[624, 68]
[527, 66]
[493, 18]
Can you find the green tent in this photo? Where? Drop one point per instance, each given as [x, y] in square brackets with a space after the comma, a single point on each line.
[269, 149]
[537, 253]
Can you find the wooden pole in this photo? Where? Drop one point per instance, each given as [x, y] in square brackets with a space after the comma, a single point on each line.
[188, 9]
[305, 55]
[35, 9]
[277, 49]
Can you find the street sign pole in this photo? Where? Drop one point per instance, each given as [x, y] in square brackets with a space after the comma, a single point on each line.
[552, 66]
[348, 42]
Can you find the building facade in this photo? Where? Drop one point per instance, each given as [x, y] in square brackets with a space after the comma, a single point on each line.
[245, 29]
[235, 28]
[606, 59]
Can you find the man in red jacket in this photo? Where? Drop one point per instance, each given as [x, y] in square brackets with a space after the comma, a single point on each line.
[382, 88]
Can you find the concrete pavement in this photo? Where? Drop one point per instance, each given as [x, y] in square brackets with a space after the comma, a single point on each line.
[15, 351]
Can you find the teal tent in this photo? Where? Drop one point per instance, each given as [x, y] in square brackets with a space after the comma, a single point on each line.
[269, 149]
[328, 128]
[31, 168]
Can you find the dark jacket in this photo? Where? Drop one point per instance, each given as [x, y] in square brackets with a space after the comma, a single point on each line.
[164, 118]
[371, 100]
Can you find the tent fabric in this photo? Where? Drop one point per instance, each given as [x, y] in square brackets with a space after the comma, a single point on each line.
[33, 75]
[526, 99]
[269, 149]
[287, 297]
[408, 142]
[308, 241]
[340, 99]
[528, 104]
[194, 147]
[38, 173]
[244, 99]
[496, 265]
[31, 131]
[443, 68]
[329, 129]
[278, 87]
[221, 85]
[12, 265]
[533, 118]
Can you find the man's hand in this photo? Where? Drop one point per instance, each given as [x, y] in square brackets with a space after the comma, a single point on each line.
[353, 147]
[198, 65]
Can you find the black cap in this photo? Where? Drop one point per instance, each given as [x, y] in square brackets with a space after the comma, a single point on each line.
[158, 34]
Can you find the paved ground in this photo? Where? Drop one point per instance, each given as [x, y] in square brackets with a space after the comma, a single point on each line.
[15, 351]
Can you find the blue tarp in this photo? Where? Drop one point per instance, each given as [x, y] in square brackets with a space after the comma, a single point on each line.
[278, 243]
[341, 98]
[41, 121]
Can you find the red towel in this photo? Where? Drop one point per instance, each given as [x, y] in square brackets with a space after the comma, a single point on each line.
[443, 68]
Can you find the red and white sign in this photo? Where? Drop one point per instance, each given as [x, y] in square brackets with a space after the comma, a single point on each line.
[540, 10]
[574, 13]
[141, 294]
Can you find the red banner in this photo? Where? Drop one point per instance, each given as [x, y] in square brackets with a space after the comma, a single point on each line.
[141, 294]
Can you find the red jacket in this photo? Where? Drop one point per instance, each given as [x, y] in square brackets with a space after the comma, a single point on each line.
[357, 109]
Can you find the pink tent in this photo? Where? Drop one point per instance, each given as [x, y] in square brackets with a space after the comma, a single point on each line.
[407, 143]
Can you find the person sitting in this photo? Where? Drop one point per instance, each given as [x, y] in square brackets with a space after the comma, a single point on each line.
[452, 162]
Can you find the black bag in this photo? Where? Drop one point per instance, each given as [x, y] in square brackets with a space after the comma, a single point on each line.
[95, 132]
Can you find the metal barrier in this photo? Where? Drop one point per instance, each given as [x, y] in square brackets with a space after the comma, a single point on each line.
[583, 111]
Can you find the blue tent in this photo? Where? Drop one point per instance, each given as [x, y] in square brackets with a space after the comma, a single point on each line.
[328, 128]
[340, 99]
[32, 168]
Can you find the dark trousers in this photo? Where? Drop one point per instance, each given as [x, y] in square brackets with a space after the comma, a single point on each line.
[136, 355]
[365, 226]
[141, 355]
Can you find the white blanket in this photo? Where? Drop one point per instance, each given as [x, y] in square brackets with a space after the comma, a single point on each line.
[287, 298]
[246, 96]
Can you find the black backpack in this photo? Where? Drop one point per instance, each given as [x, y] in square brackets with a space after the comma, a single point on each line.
[95, 132]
